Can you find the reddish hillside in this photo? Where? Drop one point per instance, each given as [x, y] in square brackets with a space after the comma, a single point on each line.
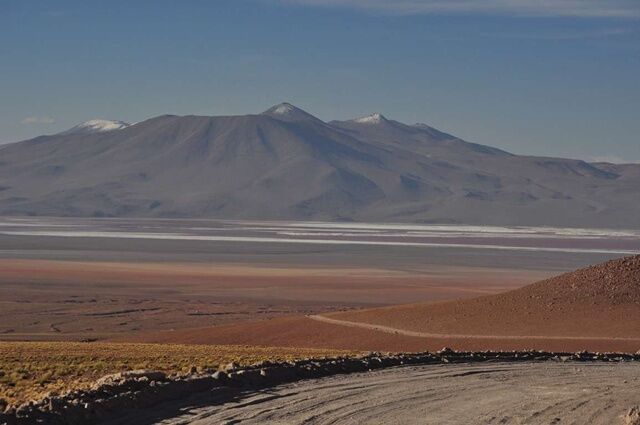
[598, 301]
[615, 282]
[597, 309]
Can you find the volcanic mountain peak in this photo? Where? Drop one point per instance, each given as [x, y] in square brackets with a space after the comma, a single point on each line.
[97, 126]
[287, 112]
[375, 118]
[287, 164]
[283, 109]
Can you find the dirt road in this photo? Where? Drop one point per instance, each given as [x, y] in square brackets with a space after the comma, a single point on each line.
[390, 330]
[498, 393]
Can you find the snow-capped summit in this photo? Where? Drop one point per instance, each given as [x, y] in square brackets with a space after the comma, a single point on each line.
[97, 126]
[376, 118]
[283, 109]
[288, 112]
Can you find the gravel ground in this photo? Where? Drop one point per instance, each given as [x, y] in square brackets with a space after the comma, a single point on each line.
[492, 393]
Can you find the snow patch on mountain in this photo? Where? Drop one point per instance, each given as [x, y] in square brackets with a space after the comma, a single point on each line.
[288, 112]
[371, 119]
[98, 126]
[283, 109]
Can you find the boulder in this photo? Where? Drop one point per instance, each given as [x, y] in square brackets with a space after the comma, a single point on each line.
[220, 376]
[231, 367]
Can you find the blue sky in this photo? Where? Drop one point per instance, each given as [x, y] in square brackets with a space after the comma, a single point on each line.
[542, 77]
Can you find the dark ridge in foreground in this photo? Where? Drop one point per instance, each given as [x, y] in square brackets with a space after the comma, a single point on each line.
[114, 397]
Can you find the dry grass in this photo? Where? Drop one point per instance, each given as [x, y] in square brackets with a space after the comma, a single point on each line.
[30, 370]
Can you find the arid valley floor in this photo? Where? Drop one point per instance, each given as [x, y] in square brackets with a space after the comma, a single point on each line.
[287, 290]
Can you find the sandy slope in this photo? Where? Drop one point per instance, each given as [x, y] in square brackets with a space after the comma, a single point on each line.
[542, 393]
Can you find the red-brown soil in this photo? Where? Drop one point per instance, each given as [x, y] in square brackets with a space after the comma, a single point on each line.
[599, 301]
[295, 331]
[74, 300]
[303, 332]
[597, 308]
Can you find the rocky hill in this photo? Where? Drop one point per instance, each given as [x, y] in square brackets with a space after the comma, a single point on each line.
[612, 283]
[598, 301]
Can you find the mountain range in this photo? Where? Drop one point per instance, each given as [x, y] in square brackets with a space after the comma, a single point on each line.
[287, 164]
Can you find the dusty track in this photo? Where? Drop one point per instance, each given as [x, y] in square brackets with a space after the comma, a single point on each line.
[397, 331]
[529, 393]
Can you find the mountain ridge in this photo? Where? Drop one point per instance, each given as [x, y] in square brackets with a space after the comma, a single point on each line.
[287, 164]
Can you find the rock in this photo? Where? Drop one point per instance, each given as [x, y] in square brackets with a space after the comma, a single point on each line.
[54, 404]
[246, 376]
[220, 376]
[8, 418]
[231, 367]
[23, 409]
[633, 416]
[3, 405]
[143, 373]
[131, 374]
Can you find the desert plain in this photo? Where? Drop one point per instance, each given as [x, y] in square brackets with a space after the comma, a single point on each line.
[207, 292]
[83, 279]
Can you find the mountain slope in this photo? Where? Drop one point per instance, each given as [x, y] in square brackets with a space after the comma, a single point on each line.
[598, 301]
[287, 164]
[418, 137]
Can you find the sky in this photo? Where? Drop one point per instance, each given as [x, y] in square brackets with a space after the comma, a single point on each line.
[535, 77]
